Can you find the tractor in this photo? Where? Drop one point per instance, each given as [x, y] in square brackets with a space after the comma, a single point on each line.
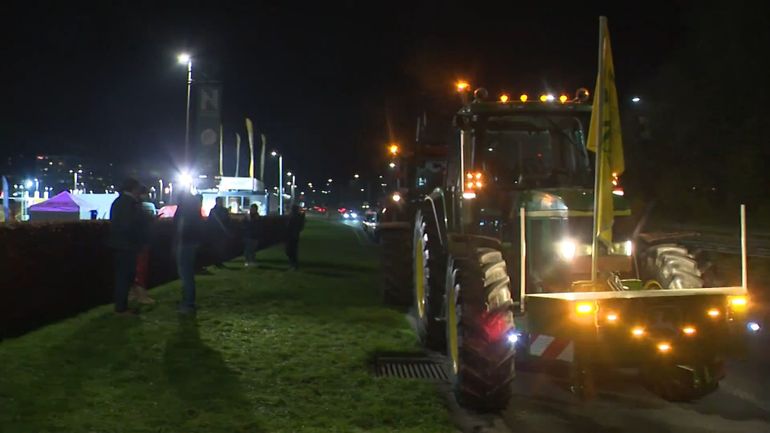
[496, 262]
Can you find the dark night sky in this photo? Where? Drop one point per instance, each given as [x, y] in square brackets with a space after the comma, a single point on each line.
[328, 84]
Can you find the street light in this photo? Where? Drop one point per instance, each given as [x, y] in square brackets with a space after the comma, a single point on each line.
[185, 58]
[356, 176]
[636, 99]
[280, 180]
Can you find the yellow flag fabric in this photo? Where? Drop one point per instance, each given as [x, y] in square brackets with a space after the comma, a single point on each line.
[611, 141]
[250, 131]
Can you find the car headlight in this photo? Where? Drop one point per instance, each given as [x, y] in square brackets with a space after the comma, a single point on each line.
[353, 215]
[566, 249]
[346, 215]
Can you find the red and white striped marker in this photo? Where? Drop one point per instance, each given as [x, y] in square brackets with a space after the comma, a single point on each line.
[548, 347]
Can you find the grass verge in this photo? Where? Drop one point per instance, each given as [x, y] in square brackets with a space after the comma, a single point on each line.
[269, 351]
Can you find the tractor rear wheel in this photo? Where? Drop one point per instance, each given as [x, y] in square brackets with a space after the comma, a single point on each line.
[479, 320]
[396, 244]
[670, 266]
[429, 260]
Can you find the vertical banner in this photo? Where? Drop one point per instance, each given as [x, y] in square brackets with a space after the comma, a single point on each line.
[237, 154]
[208, 110]
[262, 159]
[250, 132]
[6, 202]
[221, 146]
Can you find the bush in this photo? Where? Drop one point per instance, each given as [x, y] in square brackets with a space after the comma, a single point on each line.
[57, 269]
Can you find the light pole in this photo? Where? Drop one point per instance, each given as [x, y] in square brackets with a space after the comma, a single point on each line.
[185, 58]
[160, 191]
[280, 181]
[75, 186]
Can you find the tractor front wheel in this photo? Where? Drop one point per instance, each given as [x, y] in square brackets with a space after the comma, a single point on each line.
[479, 325]
[396, 246]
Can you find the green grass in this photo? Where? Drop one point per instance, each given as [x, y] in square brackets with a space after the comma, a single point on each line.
[270, 351]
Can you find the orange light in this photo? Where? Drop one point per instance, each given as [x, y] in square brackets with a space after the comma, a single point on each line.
[523, 97]
[689, 330]
[469, 175]
[462, 86]
[503, 98]
[738, 303]
[713, 313]
[584, 307]
[393, 149]
[478, 175]
[469, 185]
[543, 98]
[479, 184]
[563, 98]
[612, 317]
[664, 347]
[637, 331]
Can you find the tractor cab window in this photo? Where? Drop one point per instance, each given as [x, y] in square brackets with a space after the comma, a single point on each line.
[533, 151]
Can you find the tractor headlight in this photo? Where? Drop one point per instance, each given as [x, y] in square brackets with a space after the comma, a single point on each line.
[623, 248]
[566, 249]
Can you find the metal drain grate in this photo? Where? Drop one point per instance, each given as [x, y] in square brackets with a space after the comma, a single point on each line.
[410, 368]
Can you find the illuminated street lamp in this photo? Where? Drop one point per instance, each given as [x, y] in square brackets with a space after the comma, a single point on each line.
[183, 59]
[280, 180]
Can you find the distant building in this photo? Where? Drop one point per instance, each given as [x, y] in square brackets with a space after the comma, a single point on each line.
[70, 172]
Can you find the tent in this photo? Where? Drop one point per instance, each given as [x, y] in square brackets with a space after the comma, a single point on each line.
[66, 206]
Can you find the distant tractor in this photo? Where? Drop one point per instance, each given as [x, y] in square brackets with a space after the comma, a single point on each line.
[497, 264]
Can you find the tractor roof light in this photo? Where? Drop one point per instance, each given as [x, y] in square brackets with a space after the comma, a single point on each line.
[664, 347]
[462, 86]
[504, 98]
[543, 98]
[523, 97]
[638, 331]
[689, 330]
[563, 99]
[713, 313]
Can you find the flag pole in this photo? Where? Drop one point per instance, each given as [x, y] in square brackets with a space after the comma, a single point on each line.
[599, 150]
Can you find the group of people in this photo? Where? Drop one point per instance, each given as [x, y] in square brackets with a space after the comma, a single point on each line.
[130, 231]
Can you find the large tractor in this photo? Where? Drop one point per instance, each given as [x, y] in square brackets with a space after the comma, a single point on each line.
[497, 263]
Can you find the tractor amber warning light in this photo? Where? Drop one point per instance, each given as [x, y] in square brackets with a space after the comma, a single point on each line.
[738, 303]
[638, 331]
[504, 98]
[689, 330]
[713, 313]
[563, 99]
[583, 308]
[664, 347]
[523, 97]
[462, 86]
[612, 317]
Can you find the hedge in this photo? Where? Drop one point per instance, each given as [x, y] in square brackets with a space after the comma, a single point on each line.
[58, 269]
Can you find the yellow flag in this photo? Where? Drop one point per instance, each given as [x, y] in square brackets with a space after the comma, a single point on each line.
[250, 131]
[610, 161]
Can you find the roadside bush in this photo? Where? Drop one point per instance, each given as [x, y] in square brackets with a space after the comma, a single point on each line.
[57, 269]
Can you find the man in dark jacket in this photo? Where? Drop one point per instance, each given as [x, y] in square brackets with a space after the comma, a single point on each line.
[189, 234]
[294, 226]
[128, 232]
[219, 230]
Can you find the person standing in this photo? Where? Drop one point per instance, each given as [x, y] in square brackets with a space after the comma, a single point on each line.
[189, 233]
[128, 234]
[252, 233]
[293, 228]
[219, 231]
[138, 290]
